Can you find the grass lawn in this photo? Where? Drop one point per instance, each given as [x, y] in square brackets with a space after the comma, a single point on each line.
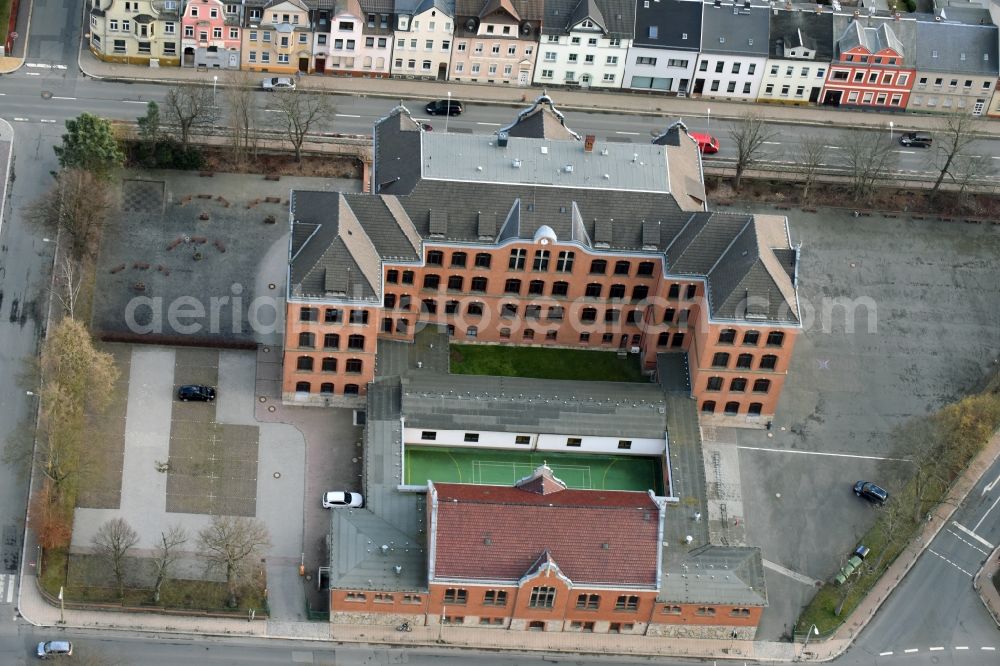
[4, 19]
[542, 363]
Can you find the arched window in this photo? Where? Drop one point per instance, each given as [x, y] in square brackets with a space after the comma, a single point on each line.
[744, 361]
[304, 363]
[350, 389]
[356, 342]
[353, 365]
[761, 385]
[720, 360]
[727, 336]
[754, 409]
[329, 364]
[732, 408]
[663, 339]
[331, 341]
[307, 340]
[326, 388]
[708, 407]
[768, 362]
[775, 339]
[303, 387]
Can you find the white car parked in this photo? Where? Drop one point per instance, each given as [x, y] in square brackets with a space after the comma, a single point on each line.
[276, 83]
[336, 500]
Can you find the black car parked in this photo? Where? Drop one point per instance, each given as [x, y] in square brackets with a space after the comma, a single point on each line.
[442, 106]
[916, 139]
[870, 492]
[196, 392]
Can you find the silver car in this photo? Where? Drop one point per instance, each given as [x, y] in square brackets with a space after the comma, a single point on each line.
[48, 649]
[276, 83]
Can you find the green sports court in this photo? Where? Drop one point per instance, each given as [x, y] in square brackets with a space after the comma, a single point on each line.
[504, 468]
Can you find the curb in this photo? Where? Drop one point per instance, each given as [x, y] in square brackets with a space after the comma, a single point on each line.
[989, 568]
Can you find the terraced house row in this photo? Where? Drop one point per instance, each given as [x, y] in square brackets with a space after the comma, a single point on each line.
[726, 49]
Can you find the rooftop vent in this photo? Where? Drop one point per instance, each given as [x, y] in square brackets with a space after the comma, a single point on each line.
[516, 164]
[568, 168]
[398, 570]
[545, 150]
[502, 139]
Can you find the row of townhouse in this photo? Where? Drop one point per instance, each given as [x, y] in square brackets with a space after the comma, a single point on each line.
[736, 50]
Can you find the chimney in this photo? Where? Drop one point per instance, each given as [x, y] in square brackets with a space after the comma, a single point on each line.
[588, 143]
[502, 139]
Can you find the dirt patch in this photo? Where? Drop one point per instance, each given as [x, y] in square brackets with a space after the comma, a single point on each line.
[325, 166]
[101, 476]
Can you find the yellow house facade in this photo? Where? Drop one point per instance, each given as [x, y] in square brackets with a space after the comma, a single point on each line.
[278, 38]
[136, 32]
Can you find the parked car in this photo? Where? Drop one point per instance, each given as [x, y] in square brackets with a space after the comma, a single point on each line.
[49, 649]
[426, 127]
[442, 106]
[870, 492]
[196, 392]
[916, 139]
[336, 500]
[276, 83]
[707, 144]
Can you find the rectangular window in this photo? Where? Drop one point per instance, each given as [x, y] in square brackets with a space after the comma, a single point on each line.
[495, 598]
[627, 603]
[472, 437]
[574, 442]
[522, 439]
[455, 595]
[428, 435]
[624, 444]
[542, 597]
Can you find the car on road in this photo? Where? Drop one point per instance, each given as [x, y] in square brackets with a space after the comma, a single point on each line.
[916, 139]
[49, 649]
[276, 83]
[707, 144]
[871, 492]
[196, 392]
[452, 107]
[336, 500]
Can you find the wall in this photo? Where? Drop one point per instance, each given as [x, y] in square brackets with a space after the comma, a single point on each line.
[807, 74]
[410, 51]
[540, 442]
[671, 77]
[601, 52]
[745, 81]
[933, 91]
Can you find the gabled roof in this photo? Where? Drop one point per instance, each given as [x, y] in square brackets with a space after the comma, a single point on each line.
[541, 120]
[875, 34]
[957, 48]
[735, 28]
[499, 533]
[525, 10]
[377, 7]
[677, 23]
[802, 28]
[416, 7]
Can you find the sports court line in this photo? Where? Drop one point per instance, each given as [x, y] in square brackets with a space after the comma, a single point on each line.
[794, 575]
[822, 453]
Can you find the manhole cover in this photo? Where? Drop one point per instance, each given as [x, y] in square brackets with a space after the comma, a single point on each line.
[46, 94]
[267, 349]
[270, 408]
[277, 475]
[262, 399]
[272, 286]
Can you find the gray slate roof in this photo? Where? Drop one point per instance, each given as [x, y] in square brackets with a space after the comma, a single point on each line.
[514, 404]
[806, 28]
[615, 17]
[673, 20]
[957, 48]
[414, 7]
[541, 120]
[732, 28]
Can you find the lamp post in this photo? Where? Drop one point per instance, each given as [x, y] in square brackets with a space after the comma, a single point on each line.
[215, 82]
[708, 118]
[447, 113]
[813, 630]
[890, 131]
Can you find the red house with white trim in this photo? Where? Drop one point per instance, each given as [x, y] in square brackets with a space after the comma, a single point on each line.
[874, 63]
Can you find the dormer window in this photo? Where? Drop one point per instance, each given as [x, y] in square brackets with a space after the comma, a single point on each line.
[654, 32]
[489, 29]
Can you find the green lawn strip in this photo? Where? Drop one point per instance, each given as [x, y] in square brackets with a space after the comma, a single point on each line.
[181, 595]
[544, 363]
[4, 19]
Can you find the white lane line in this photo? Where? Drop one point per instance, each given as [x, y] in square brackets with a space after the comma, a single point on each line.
[772, 143]
[59, 66]
[967, 542]
[67, 98]
[911, 651]
[819, 453]
[629, 133]
[489, 124]
[935, 649]
[885, 654]
[992, 506]
[833, 147]
[978, 157]
[23, 120]
[995, 158]
[931, 550]
[3, 94]
[973, 534]
[32, 74]
[132, 101]
[988, 649]
[794, 575]
[46, 120]
[962, 647]
[905, 152]
[10, 589]
[343, 115]
[273, 110]
[40, 64]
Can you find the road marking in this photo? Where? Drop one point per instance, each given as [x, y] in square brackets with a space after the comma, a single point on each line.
[32, 74]
[772, 143]
[992, 484]
[989, 649]
[905, 152]
[973, 534]
[3, 94]
[911, 650]
[967, 543]
[67, 98]
[794, 575]
[132, 101]
[885, 654]
[46, 120]
[820, 453]
[993, 506]
[629, 133]
[995, 158]
[931, 550]
[39, 64]
[962, 647]
[10, 589]
[343, 115]
[23, 120]
[935, 649]
[273, 110]
[490, 124]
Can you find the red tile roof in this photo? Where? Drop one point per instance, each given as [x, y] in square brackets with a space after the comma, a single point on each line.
[497, 533]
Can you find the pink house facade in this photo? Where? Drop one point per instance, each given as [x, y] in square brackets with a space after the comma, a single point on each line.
[211, 34]
[359, 41]
[495, 42]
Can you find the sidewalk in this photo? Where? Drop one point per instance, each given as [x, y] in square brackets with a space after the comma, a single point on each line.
[634, 103]
[983, 582]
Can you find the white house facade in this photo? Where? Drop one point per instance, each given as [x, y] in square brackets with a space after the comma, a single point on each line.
[584, 43]
[422, 38]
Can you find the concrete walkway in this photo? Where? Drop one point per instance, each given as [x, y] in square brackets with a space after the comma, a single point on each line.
[652, 104]
[983, 582]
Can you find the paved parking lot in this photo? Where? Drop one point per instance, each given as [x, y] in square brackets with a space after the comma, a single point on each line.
[931, 292]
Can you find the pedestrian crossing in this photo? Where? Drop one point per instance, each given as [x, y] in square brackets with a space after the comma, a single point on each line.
[7, 584]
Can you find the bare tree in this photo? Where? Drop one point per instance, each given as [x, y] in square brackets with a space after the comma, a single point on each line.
[229, 543]
[167, 554]
[301, 112]
[749, 134]
[956, 131]
[810, 156]
[67, 286]
[187, 105]
[78, 204]
[865, 155]
[239, 95]
[113, 541]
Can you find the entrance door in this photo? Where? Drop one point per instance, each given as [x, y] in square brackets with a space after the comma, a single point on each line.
[320, 65]
[833, 97]
[585, 81]
[522, 78]
[442, 71]
[304, 65]
[699, 85]
[814, 95]
[188, 56]
[977, 110]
